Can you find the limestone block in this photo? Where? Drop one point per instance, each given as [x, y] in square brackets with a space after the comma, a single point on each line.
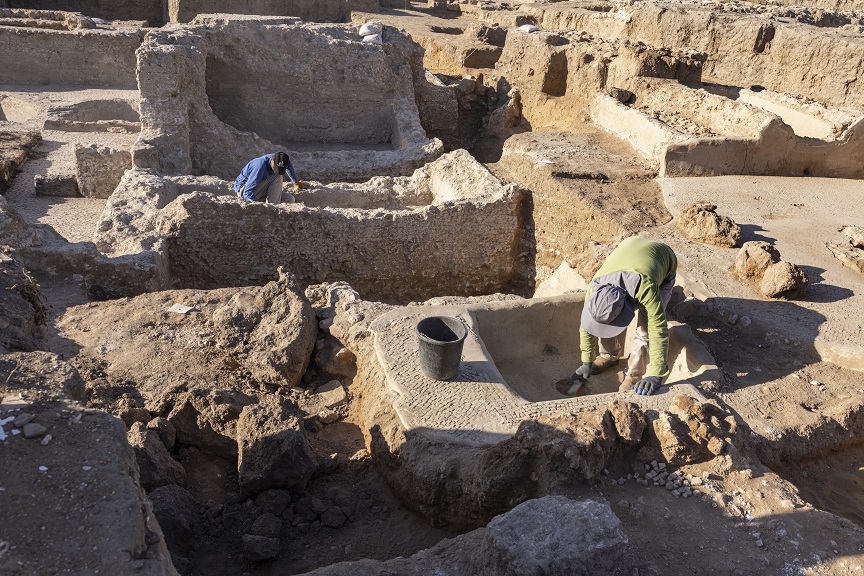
[61, 185]
[167, 432]
[630, 423]
[754, 258]
[701, 222]
[855, 235]
[99, 169]
[156, 466]
[274, 326]
[335, 361]
[551, 536]
[691, 431]
[849, 256]
[784, 280]
[274, 452]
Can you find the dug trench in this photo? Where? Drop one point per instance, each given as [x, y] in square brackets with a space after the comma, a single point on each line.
[372, 490]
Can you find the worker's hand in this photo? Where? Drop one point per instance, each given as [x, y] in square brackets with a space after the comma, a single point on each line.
[580, 377]
[647, 386]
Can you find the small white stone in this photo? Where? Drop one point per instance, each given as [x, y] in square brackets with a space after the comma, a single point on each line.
[43, 468]
[86, 468]
[46, 439]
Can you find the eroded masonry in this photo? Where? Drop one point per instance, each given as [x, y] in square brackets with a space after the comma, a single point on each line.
[195, 383]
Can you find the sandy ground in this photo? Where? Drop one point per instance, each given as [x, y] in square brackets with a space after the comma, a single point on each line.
[798, 216]
[75, 219]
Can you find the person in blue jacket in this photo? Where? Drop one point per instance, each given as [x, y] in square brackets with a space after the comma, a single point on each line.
[261, 179]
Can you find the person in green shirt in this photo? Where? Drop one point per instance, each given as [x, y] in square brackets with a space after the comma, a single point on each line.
[636, 279]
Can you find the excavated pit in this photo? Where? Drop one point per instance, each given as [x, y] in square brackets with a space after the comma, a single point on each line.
[271, 436]
[515, 354]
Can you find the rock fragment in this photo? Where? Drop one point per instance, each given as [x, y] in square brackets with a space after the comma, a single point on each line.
[784, 280]
[274, 452]
[156, 466]
[23, 419]
[855, 235]
[754, 258]
[564, 537]
[258, 548]
[34, 430]
[701, 222]
[267, 525]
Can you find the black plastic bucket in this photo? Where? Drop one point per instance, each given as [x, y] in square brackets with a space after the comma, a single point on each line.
[441, 339]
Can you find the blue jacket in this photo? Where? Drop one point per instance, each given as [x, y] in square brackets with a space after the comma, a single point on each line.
[255, 172]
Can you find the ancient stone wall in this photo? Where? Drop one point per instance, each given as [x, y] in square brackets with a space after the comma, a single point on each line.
[308, 10]
[342, 108]
[153, 11]
[558, 76]
[744, 50]
[81, 57]
[462, 243]
[777, 151]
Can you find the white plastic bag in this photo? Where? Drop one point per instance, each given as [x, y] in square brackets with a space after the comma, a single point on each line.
[529, 28]
[371, 29]
[373, 39]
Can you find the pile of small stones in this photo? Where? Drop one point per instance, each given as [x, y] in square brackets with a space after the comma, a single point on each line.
[678, 483]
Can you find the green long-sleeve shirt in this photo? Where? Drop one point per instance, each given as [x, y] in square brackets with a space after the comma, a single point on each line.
[640, 266]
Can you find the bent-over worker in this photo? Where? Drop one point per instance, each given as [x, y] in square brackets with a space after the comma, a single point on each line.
[261, 179]
[637, 277]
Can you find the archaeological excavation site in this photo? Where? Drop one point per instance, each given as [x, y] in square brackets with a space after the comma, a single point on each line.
[431, 288]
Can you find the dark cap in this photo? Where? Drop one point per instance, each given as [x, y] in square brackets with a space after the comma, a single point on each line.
[608, 311]
[280, 162]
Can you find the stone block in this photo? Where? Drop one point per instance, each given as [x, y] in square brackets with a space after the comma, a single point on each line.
[99, 169]
[551, 536]
[62, 185]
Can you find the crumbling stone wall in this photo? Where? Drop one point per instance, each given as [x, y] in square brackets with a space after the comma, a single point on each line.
[308, 10]
[468, 241]
[153, 11]
[79, 57]
[744, 50]
[342, 108]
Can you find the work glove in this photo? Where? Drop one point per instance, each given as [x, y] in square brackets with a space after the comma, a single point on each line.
[298, 185]
[580, 377]
[647, 386]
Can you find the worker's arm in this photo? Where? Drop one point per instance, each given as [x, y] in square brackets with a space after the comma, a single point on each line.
[238, 183]
[256, 175]
[649, 299]
[588, 345]
[289, 170]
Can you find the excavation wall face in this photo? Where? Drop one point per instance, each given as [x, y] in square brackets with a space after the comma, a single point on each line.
[79, 57]
[150, 10]
[301, 99]
[230, 88]
[308, 10]
[558, 75]
[744, 50]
